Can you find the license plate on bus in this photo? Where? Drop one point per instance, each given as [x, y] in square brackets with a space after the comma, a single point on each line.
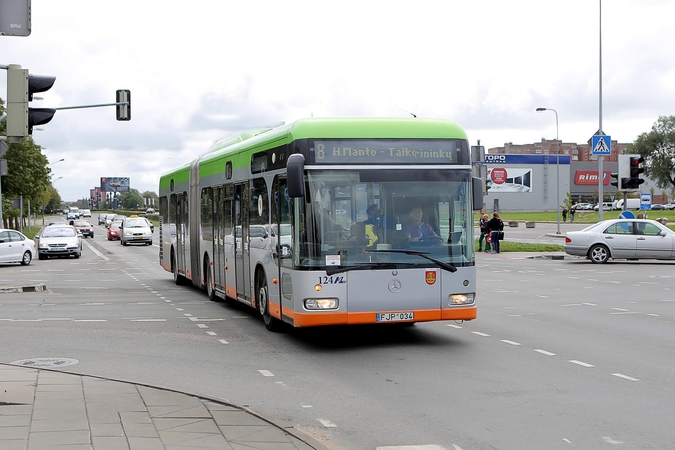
[394, 316]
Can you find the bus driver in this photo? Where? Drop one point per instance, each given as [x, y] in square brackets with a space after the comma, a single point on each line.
[417, 230]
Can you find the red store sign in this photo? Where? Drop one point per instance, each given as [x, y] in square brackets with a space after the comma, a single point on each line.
[590, 177]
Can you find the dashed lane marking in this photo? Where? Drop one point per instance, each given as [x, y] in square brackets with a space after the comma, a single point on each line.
[480, 334]
[581, 363]
[266, 373]
[544, 352]
[625, 377]
[506, 341]
[326, 423]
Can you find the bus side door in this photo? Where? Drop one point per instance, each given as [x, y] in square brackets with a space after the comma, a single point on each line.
[241, 258]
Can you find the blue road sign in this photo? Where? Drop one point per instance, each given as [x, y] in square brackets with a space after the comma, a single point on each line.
[626, 215]
[646, 202]
[601, 145]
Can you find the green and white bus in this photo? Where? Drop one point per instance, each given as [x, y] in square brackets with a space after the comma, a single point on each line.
[278, 219]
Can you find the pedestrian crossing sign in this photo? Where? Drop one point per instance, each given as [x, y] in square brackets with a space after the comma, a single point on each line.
[600, 145]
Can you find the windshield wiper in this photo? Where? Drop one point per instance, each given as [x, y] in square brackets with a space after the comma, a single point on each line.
[337, 269]
[444, 265]
[332, 270]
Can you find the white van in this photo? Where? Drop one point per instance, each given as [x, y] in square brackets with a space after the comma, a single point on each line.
[631, 204]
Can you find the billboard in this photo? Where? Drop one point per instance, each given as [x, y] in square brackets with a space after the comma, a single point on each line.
[115, 184]
[511, 179]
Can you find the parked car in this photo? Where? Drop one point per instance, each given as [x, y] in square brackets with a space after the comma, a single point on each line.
[84, 227]
[114, 230]
[135, 230]
[657, 207]
[15, 247]
[58, 240]
[606, 206]
[622, 239]
[582, 206]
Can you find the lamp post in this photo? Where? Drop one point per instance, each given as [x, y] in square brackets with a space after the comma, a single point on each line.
[557, 163]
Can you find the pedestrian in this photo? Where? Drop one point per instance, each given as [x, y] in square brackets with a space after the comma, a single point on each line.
[496, 227]
[564, 213]
[572, 211]
[484, 233]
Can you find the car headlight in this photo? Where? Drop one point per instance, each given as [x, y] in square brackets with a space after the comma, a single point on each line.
[43, 245]
[321, 303]
[460, 299]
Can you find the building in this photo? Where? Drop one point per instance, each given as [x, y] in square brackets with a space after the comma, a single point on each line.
[529, 177]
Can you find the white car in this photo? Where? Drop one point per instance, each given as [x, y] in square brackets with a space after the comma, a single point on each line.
[622, 239]
[15, 247]
[135, 230]
[59, 240]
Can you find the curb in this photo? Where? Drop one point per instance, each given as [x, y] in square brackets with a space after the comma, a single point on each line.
[280, 424]
[29, 288]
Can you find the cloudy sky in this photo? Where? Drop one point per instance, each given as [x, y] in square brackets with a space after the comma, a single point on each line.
[204, 69]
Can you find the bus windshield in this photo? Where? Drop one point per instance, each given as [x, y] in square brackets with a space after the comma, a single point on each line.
[384, 218]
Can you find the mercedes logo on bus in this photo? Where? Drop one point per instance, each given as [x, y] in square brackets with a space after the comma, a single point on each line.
[394, 286]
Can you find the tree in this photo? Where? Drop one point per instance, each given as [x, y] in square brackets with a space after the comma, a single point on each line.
[658, 149]
[27, 173]
[131, 199]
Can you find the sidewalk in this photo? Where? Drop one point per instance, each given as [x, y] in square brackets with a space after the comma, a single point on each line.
[44, 410]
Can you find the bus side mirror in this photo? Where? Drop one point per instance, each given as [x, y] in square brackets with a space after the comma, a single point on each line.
[477, 193]
[295, 170]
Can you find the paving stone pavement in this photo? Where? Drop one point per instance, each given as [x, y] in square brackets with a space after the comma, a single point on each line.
[44, 409]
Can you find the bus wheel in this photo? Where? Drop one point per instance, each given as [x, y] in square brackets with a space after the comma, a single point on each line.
[271, 323]
[210, 291]
[177, 278]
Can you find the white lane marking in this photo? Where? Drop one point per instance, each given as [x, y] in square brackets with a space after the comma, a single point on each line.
[202, 319]
[620, 309]
[148, 320]
[327, 423]
[581, 363]
[90, 320]
[452, 325]
[590, 304]
[99, 254]
[611, 441]
[266, 373]
[544, 352]
[180, 309]
[625, 377]
[506, 341]
[653, 315]
[480, 334]
[201, 325]
[223, 341]
[306, 406]
[571, 304]
[187, 315]
[416, 447]
[212, 333]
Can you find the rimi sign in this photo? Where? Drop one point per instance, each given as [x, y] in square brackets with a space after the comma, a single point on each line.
[590, 177]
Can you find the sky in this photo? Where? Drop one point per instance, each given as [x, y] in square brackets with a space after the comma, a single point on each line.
[202, 70]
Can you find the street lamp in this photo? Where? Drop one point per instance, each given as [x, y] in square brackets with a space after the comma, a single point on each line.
[60, 160]
[557, 163]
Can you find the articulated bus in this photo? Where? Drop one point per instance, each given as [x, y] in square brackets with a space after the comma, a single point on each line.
[309, 223]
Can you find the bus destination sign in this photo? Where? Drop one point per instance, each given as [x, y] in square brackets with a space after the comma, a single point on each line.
[385, 151]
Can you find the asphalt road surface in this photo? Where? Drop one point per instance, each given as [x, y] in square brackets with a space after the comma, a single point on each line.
[564, 354]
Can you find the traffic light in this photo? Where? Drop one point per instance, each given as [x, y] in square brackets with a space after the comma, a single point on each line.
[123, 104]
[20, 89]
[634, 170]
[616, 182]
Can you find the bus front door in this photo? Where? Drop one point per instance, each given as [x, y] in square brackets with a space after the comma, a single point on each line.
[241, 259]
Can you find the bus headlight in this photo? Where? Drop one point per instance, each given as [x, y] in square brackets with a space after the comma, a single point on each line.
[321, 303]
[460, 299]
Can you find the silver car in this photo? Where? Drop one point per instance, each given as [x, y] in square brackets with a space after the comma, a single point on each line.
[622, 239]
[135, 230]
[59, 240]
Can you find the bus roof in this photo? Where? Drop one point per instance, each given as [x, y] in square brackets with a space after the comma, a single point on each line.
[327, 128]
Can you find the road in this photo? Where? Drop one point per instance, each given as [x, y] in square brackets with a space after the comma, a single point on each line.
[564, 354]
